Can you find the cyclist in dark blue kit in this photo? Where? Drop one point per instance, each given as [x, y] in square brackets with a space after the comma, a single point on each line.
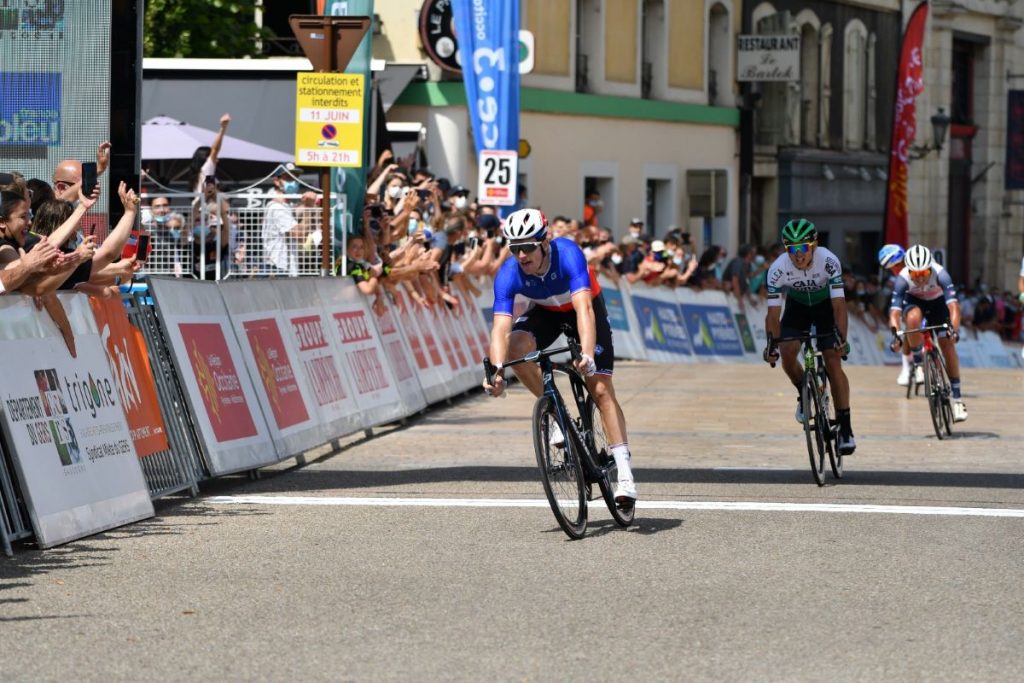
[553, 275]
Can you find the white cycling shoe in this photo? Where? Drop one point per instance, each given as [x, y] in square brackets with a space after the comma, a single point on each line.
[799, 414]
[919, 375]
[625, 492]
[556, 439]
[904, 377]
[847, 444]
[959, 411]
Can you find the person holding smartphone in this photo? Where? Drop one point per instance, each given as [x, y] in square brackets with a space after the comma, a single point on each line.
[67, 176]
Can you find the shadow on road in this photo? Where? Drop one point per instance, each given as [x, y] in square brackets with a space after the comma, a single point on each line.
[299, 480]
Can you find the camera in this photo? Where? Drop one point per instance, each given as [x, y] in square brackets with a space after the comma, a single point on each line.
[376, 209]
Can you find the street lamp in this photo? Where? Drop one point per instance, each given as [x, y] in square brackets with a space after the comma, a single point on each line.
[940, 126]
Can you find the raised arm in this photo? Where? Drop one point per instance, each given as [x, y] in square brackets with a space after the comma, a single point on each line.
[219, 140]
[115, 241]
[68, 227]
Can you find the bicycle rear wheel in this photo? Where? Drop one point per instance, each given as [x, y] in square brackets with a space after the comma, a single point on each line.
[623, 516]
[933, 389]
[561, 471]
[815, 446]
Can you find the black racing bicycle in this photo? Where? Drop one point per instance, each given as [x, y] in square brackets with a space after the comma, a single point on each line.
[937, 387]
[580, 457]
[821, 428]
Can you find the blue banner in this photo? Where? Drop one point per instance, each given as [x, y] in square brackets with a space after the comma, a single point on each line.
[617, 317]
[712, 330]
[488, 32]
[661, 325]
[30, 106]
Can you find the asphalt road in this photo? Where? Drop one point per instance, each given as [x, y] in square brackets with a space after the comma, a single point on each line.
[464, 575]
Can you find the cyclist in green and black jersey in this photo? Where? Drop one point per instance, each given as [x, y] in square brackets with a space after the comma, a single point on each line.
[811, 279]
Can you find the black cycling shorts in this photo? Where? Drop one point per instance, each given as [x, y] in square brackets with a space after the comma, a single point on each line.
[545, 326]
[935, 311]
[798, 319]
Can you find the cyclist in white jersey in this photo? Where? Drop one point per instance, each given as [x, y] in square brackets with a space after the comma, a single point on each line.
[811, 279]
[924, 291]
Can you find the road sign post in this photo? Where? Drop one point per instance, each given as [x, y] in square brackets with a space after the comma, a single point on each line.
[329, 43]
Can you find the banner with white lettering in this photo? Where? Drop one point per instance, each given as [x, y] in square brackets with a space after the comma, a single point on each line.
[331, 392]
[710, 324]
[430, 365]
[366, 364]
[399, 354]
[488, 34]
[65, 425]
[264, 335]
[231, 426]
[660, 320]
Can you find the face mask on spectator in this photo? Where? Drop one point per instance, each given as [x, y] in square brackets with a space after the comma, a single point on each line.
[413, 224]
[175, 234]
[616, 259]
[460, 202]
[160, 218]
[290, 186]
[759, 260]
[197, 232]
[395, 191]
[678, 260]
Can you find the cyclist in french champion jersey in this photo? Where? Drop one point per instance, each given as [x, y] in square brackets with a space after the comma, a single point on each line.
[811, 279]
[924, 291]
[553, 275]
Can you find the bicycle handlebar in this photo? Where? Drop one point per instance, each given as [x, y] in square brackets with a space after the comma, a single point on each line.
[572, 346]
[805, 338]
[930, 328]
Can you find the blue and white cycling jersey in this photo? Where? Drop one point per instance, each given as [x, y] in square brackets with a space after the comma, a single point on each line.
[938, 284]
[567, 274]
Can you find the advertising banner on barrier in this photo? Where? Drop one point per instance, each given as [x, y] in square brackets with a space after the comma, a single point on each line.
[430, 366]
[710, 324]
[129, 363]
[399, 354]
[65, 425]
[661, 325]
[622, 318]
[353, 332]
[258, 310]
[210, 363]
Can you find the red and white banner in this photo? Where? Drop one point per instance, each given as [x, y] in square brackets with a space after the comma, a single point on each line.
[400, 356]
[213, 371]
[909, 84]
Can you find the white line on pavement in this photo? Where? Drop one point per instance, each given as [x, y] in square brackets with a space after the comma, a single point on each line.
[737, 506]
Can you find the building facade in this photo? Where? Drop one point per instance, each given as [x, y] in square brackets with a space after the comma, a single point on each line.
[632, 98]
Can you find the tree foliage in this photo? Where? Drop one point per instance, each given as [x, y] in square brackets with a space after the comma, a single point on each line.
[201, 28]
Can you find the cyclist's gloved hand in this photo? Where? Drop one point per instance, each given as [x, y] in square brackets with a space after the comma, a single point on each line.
[771, 354]
[954, 335]
[586, 365]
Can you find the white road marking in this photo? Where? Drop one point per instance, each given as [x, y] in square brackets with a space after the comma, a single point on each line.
[736, 506]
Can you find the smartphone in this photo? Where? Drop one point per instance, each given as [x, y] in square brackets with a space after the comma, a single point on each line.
[142, 251]
[472, 242]
[88, 177]
[376, 210]
[424, 194]
[131, 247]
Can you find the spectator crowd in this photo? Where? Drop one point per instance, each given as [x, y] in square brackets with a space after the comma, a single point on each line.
[417, 232]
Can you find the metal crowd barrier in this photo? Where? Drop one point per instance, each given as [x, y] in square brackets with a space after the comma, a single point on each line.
[14, 521]
[186, 240]
[181, 467]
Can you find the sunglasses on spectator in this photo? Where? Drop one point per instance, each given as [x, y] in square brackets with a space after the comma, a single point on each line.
[61, 185]
[920, 274]
[801, 248]
[524, 248]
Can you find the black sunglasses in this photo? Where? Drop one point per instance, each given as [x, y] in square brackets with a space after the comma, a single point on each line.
[525, 248]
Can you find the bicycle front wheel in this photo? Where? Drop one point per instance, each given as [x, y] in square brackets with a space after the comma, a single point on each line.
[933, 388]
[829, 430]
[815, 445]
[623, 516]
[560, 469]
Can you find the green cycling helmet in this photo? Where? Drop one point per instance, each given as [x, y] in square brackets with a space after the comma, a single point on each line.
[799, 230]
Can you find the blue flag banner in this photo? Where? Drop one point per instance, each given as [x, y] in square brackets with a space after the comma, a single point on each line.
[662, 326]
[488, 32]
[712, 330]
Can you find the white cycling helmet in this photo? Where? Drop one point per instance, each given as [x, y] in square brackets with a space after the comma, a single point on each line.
[918, 257]
[525, 224]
